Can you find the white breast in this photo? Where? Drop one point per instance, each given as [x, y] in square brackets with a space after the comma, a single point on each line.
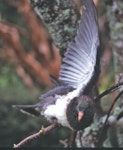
[58, 110]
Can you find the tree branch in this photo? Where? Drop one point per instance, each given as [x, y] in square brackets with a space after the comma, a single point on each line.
[71, 142]
[115, 100]
[36, 135]
[111, 89]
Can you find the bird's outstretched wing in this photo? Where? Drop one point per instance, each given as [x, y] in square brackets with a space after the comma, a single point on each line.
[80, 57]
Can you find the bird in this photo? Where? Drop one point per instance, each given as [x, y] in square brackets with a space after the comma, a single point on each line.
[70, 103]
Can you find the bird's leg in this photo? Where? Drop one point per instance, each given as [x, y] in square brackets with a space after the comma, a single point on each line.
[71, 142]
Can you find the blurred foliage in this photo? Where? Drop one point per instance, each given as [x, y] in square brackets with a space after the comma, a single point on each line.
[61, 18]
[12, 89]
[15, 124]
[115, 16]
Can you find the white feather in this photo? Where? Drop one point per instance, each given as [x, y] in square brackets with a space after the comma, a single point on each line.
[58, 110]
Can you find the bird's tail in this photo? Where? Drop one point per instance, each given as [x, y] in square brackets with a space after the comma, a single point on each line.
[29, 109]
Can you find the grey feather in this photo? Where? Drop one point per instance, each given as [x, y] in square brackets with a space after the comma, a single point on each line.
[80, 57]
[45, 100]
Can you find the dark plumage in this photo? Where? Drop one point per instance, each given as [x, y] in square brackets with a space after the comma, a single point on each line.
[83, 104]
[70, 102]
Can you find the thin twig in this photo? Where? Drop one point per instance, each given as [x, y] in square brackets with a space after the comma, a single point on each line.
[117, 97]
[111, 89]
[36, 135]
[64, 142]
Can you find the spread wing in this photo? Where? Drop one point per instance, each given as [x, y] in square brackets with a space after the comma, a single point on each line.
[80, 57]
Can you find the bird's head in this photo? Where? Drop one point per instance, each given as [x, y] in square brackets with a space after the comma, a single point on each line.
[80, 112]
[82, 106]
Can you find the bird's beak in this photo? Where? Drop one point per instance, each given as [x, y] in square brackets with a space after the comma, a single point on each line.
[80, 115]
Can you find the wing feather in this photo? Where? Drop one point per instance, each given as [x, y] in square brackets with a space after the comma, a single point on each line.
[80, 57]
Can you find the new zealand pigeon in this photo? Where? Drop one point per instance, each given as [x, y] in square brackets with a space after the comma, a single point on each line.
[70, 103]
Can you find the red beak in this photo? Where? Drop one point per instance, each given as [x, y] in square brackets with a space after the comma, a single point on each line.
[80, 115]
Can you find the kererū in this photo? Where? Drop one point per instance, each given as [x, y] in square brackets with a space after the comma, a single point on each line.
[70, 103]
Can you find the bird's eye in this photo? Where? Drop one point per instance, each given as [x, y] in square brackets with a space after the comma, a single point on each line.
[81, 108]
